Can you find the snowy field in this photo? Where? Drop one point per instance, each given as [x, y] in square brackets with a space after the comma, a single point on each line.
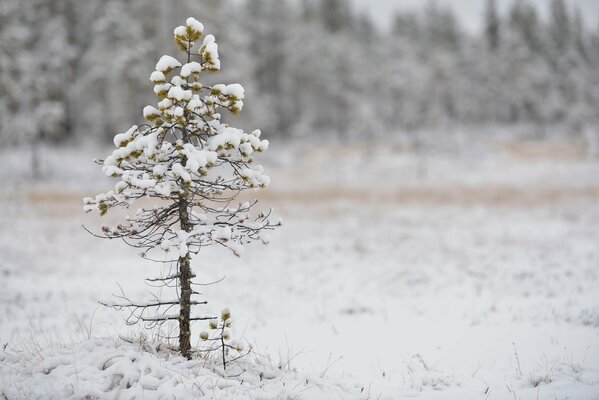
[446, 275]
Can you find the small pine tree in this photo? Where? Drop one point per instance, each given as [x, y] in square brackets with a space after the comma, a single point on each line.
[219, 339]
[195, 165]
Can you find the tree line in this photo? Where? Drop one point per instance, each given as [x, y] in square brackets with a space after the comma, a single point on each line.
[72, 69]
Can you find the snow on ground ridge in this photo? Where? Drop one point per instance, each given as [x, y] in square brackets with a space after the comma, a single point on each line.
[113, 367]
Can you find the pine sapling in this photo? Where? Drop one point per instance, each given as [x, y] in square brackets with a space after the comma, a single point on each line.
[218, 339]
[193, 165]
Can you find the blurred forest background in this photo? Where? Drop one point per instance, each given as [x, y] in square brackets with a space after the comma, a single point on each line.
[72, 69]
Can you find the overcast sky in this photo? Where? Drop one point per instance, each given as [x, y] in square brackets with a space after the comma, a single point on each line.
[469, 11]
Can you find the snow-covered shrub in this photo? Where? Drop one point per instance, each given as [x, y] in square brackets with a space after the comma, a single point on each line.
[195, 165]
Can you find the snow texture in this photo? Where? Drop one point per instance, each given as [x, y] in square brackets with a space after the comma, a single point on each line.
[167, 63]
[209, 53]
[397, 276]
[195, 24]
[109, 368]
[190, 68]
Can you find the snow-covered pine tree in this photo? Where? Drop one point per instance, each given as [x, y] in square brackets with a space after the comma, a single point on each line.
[195, 165]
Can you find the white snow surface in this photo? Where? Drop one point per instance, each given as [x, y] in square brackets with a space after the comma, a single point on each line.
[122, 368]
[195, 24]
[177, 93]
[150, 110]
[235, 90]
[180, 31]
[190, 68]
[468, 275]
[209, 51]
[167, 63]
[157, 77]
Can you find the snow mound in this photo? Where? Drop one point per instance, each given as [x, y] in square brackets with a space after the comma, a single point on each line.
[118, 368]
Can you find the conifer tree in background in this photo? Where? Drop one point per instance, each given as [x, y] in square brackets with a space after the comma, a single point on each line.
[336, 15]
[195, 165]
[426, 72]
[492, 25]
[560, 29]
[525, 23]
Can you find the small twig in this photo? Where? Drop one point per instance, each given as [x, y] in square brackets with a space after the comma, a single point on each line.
[517, 360]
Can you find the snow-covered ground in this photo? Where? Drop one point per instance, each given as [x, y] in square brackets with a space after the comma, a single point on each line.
[470, 275]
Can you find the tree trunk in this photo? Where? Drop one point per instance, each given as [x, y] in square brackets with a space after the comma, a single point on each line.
[185, 276]
[35, 159]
